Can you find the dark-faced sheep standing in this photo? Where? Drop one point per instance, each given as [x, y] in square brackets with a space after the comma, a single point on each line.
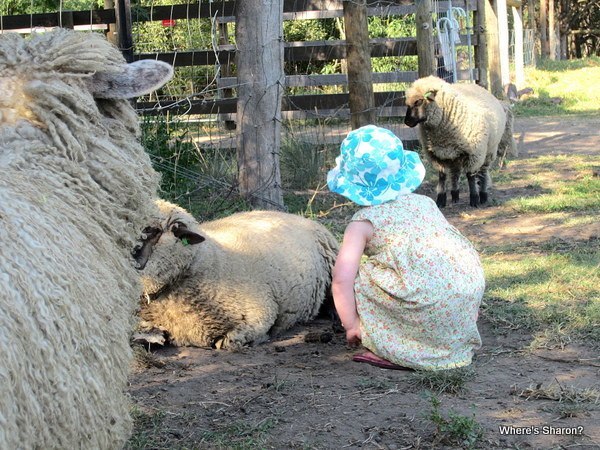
[76, 188]
[461, 127]
[235, 281]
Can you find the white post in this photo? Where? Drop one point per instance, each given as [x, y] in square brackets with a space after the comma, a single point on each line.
[519, 60]
[502, 14]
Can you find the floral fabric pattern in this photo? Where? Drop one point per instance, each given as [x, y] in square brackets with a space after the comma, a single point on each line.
[419, 290]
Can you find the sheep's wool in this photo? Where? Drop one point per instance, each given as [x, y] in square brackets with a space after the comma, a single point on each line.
[75, 189]
[257, 274]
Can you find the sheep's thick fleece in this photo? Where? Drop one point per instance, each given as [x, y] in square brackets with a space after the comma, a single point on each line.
[461, 127]
[76, 189]
[256, 274]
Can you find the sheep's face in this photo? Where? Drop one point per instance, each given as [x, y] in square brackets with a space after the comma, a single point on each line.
[417, 108]
[164, 253]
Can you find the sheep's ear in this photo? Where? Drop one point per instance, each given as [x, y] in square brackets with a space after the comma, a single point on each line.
[430, 95]
[137, 78]
[181, 232]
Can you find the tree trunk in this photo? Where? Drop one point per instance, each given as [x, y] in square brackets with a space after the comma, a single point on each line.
[531, 15]
[358, 56]
[544, 29]
[531, 25]
[551, 31]
[259, 60]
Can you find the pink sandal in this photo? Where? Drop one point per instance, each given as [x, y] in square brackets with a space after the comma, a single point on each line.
[374, 360]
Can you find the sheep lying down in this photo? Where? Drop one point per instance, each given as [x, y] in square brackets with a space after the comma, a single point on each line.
[235, 281]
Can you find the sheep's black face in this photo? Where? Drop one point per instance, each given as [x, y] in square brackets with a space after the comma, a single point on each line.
[143, 250]
[415, 114]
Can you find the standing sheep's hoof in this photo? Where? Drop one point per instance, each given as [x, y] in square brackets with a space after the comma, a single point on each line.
[483, 197]
[474, 200]
[441, 200]
[454, 195]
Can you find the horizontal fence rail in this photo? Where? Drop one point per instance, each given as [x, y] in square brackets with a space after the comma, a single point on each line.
[220, 100]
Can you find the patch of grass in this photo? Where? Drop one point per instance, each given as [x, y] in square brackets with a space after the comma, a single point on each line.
[570, 195]
[200, 179]
[451, 381]
[144, 359]
[559, 183]
[559, 393]
[376, 384]
[571, 401]
[276, 385]
[454, 429]
[303, 164]
[146, 430]
[562, 87]
[552, 289]
[239, 435]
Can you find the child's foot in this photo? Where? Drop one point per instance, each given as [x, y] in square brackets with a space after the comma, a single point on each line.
[374, 360]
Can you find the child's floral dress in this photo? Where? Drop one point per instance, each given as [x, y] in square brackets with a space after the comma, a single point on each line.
[419, 291]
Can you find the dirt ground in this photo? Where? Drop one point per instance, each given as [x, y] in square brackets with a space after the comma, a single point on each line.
[290, 393]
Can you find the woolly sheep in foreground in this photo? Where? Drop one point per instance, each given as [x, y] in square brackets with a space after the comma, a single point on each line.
[76, 189]
[235, 281]
[462, 127]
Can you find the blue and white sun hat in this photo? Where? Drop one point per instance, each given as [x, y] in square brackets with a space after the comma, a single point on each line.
[374, 168]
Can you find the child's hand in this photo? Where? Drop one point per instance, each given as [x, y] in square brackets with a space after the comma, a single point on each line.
[353, 336]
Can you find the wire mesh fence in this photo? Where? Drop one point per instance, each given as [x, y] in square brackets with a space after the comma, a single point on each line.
[190, 124]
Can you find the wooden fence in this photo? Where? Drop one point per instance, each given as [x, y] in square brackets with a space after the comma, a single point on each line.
[388, 104]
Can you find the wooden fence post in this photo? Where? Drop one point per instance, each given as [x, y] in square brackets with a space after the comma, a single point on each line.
[124, 31]
[481, 52]
[358, 57]
[259, 60]
[225, 68]
[111, 34]
[425, 49]
[488, 53]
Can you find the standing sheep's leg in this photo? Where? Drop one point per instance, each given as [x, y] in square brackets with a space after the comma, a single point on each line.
[441, 189]
[454, 177]
[473, 191]
[483, 177]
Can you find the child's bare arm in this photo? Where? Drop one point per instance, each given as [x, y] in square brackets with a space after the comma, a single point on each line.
[356, 236]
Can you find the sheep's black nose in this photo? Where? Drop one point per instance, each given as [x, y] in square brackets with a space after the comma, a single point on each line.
[410, 120]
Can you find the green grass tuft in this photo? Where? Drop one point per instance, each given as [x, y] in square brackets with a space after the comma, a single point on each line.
[455, 429]
[239, 435]
[146, 429]
[451, 381]
[562, 87]
[570, 195]
[552, 289]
